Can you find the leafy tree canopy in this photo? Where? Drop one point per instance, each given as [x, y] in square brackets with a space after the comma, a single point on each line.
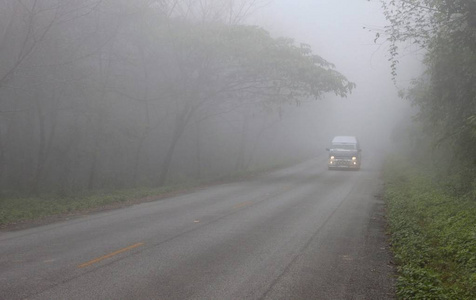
[426, 23]
[245, 62]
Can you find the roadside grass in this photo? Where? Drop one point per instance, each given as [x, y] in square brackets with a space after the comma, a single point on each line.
[433, 235]
[19, 209]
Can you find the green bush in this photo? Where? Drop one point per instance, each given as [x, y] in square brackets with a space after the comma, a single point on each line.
[433, 235]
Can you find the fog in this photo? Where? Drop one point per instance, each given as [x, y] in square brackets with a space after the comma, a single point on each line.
[344, 33]
[117, 94]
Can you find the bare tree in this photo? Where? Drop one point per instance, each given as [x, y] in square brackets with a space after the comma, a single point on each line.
[230, 12]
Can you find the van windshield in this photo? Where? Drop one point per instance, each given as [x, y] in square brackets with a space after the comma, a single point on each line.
[344, 146]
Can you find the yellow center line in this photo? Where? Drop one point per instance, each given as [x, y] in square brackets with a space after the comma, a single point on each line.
[240, 205]
[109, 255]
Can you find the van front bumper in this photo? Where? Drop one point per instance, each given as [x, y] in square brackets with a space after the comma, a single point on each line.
[343, 164]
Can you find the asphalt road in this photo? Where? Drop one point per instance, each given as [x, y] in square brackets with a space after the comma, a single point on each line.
[298, 233]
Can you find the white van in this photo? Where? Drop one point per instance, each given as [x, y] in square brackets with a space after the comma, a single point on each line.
[344, 153]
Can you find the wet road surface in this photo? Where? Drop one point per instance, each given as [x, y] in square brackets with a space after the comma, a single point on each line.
[298, 233]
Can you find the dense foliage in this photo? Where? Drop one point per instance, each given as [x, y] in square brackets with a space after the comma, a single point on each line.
[102, 93]
[446, 93]
[431, 201]
[433, 235]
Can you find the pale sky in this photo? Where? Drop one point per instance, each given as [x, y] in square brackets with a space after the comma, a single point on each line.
[334, 29]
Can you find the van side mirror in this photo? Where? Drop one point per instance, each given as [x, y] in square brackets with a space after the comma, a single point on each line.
[328, 149]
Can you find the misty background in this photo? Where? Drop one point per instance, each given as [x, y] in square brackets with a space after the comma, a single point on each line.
[344, 32]
[92, 95]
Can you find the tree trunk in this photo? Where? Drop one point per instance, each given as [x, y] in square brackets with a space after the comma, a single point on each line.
[2, 161]
[198, 151]
[180, 124]
[240, 160]
[93, 168]
[46, 142]
[137, 156]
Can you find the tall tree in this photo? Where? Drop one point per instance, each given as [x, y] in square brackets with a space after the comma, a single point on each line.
[446, 93]
[215, 63]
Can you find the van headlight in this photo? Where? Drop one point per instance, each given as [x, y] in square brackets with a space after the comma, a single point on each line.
[354, 158]
[332, 157]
